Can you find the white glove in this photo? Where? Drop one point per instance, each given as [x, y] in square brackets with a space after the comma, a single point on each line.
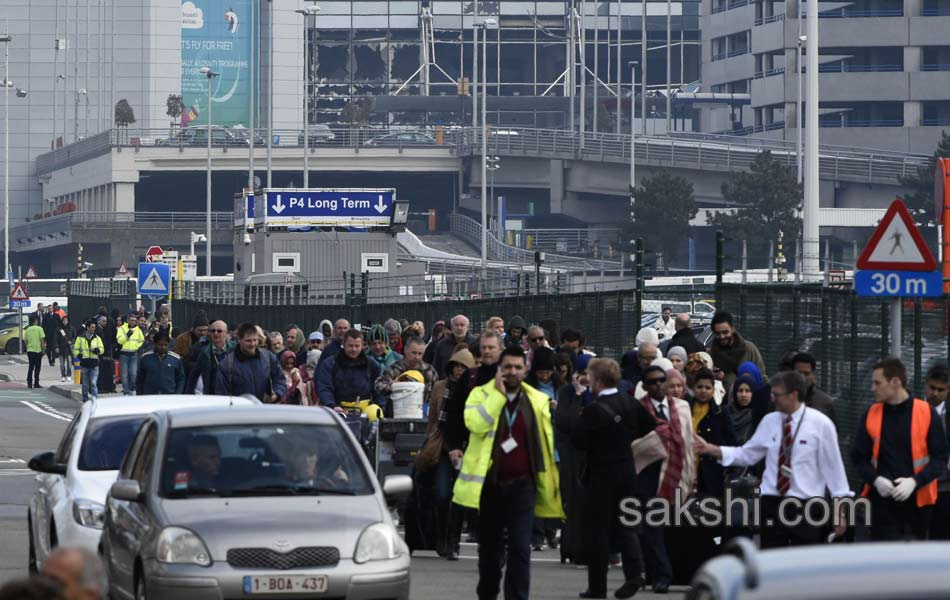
[884, 487]
[904, 487]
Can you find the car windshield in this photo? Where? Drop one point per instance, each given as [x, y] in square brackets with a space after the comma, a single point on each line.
[106, 441]
[262, 460]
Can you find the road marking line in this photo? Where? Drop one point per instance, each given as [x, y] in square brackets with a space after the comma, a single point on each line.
[12, 472]
[8, 460]
[53, 410]
[43, 412]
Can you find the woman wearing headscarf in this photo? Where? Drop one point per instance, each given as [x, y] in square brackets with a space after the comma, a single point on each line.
[299, 387]
[435, 474]
[761, 391]
[677, 356]
[696, 363]
[572, 397]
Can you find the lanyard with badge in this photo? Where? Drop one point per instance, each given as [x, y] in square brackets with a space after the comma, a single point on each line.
[510, 444]
[787, 469]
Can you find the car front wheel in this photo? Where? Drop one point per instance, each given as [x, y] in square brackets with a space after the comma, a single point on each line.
[31, 559]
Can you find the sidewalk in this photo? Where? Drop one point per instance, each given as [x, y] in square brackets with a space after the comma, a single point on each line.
[13, 368]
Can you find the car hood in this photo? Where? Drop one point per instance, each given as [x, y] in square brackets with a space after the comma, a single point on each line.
[278, 523]
[92, 485]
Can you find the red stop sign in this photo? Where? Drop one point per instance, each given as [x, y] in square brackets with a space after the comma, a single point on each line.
[154, 254]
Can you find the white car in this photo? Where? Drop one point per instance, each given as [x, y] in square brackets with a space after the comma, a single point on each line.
[71, 488]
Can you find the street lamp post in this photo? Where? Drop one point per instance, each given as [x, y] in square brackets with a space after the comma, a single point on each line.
[633, 136]
[310, 10]
[798, 110]
[207, 72]
[6, 39]
[484, 25]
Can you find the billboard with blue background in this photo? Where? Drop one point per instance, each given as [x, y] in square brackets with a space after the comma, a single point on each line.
[216, 34]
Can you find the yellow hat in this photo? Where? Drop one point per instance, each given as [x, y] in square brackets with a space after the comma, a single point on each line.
[413, 375]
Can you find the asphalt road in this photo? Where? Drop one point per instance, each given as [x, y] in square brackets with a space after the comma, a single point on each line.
[33, 421]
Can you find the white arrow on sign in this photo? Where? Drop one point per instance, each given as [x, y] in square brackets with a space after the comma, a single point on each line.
[279, 206]
[380, 206]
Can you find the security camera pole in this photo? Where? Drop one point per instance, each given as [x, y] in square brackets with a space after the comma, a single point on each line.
[207, 72]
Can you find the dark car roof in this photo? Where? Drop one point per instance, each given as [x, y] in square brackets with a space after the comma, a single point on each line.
[197, 417]
[838, 571]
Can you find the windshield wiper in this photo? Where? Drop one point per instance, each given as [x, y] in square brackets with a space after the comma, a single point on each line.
[292, 490]
[196, 491]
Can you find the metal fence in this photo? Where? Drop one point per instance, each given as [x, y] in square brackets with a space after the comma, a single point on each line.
[845, 333]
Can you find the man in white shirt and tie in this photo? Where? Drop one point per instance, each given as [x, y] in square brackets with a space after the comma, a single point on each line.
[802, 460]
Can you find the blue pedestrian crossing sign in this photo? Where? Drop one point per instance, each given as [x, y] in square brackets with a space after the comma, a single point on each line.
[154, 279]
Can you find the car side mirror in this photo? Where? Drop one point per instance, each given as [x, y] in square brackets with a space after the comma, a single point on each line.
[45, 462]
[127, 489]
[396, 487]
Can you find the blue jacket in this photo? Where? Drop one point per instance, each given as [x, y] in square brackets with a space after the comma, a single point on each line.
[206, 369]
[160, 374]
[340, 379]
[258, 375]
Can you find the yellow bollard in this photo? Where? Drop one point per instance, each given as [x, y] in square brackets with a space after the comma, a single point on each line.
[77, 374]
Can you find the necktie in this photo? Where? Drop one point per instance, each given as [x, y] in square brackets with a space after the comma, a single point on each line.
[660, 413]
[785, 456]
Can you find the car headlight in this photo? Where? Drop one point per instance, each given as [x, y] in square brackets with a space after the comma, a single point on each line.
[179, 545]
[88, 513]
[379, 542]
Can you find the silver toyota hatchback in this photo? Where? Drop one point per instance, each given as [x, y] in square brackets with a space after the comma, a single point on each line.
[269, 501]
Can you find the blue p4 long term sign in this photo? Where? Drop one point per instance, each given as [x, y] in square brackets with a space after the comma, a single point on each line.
[899, 283]
[329, 207]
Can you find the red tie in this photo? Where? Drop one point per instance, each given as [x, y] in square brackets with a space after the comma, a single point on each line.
[785, 456]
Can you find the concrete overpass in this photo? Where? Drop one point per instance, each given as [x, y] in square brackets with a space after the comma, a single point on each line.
[128, 172]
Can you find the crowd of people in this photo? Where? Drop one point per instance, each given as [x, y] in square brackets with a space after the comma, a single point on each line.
[532, 441]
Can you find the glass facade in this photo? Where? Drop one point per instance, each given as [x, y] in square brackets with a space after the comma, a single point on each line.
[378, 49]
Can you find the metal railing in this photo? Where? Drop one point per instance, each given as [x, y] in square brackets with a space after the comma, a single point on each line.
[840, 67]
[692, 150]
[738, 52]
[941, 11]
[935, 121]
[935, 66]
[687, 149]
[863, 123]
[775, 71]
[171, 219]
[846, 13]
[770, 19]
[471, 230]
[590, 243]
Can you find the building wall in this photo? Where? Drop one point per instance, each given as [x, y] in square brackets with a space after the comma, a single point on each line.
[877, 87]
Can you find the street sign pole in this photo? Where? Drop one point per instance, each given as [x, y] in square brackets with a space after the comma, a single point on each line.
[19, 310]
[896, 327]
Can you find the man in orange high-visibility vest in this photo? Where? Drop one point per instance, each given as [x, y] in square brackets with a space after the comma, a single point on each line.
[899, 450]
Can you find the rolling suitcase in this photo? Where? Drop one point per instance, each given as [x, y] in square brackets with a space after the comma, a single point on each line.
[106, 381]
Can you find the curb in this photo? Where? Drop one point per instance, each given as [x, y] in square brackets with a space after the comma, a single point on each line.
[67, 392]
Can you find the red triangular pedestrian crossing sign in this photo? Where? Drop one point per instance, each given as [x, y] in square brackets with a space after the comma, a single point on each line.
[30, 273]
[897, 244]
[123, 271]
[19, 292]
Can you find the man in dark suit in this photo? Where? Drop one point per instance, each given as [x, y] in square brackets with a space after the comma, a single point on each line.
[605, 431]
[684, 337]
[815, 398]
[938, 382]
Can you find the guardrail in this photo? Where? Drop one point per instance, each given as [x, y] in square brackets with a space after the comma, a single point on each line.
[770, 19]
[838, 67]
[941, 11]
[844, 13]
[498, 250]
[935, 66]
[589, 243]
[863, 123]
[695, 150]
